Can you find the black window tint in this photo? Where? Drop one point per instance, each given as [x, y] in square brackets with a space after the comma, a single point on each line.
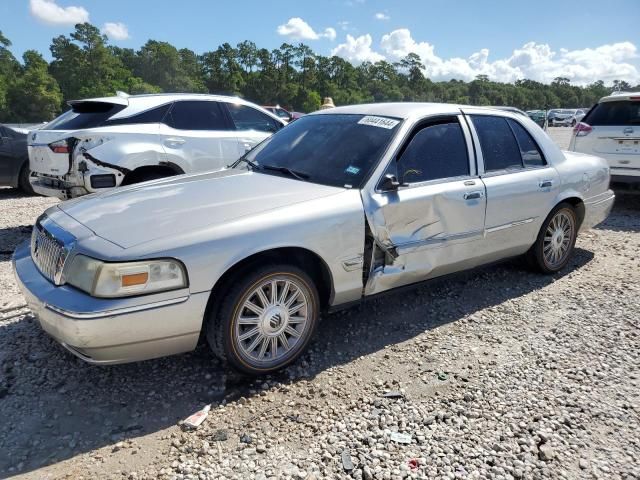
[436, 151]
[614, 114]
[84, 115]
[197, 115]
[531, 153]
[247, 118]
[499, 147]
[155, 115]
[333, 149]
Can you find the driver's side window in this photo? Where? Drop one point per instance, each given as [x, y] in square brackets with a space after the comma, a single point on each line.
[434, 152]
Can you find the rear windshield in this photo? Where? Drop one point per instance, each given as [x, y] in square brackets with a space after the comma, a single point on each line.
[84, 115]
[624, 112]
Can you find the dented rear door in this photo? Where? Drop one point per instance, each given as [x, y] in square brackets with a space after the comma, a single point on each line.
[434, 224]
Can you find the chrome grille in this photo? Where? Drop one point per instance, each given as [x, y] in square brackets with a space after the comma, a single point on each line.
[48, 252]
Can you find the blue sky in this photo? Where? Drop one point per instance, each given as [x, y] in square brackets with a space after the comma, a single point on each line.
[503, 39]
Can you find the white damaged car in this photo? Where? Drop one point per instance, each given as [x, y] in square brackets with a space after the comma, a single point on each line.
[102, 143]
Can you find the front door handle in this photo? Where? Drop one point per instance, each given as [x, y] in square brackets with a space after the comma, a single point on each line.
[545, 183]
[174, 141]
[473, 195]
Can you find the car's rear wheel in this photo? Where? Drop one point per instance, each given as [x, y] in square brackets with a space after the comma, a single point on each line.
[266, 319]
[556, 240]
[573, 122]
[23, 180]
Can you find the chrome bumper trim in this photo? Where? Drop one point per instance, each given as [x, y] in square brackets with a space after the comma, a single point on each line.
[119, 311]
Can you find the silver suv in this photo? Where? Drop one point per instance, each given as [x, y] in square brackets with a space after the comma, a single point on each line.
[611, 130]
[102, 143]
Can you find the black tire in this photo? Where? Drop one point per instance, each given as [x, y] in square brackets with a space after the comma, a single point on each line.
[573, 122]
[23, 180]
[224, 330]
[545, 241]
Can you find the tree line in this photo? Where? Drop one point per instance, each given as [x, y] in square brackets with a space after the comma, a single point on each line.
[84, 65]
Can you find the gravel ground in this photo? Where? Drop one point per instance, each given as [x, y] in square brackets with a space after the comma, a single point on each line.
[498, 373]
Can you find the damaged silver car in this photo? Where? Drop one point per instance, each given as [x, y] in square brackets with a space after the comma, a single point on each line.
[339, 206]
[102, 143]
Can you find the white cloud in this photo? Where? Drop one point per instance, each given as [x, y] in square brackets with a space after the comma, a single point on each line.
[115, 30]
[297, 29]
[533, 61]
[357, 50]
[48, 11]
[381, 16]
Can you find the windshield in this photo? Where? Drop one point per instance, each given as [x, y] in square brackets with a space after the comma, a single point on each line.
[333, 149]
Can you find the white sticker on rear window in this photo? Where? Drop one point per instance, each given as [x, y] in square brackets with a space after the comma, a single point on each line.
[381, 122]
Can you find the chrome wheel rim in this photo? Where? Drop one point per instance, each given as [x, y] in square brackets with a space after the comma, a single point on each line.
[557, 239]
[272, 320]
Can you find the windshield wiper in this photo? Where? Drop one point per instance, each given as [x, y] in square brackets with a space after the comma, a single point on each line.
[293, 173]
[253, 165]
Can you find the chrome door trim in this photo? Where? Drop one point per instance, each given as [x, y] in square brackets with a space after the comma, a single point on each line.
[435, 240]
[115, 312]
[509, 225]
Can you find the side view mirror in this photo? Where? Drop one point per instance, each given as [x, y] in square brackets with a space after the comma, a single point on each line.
[390, 183]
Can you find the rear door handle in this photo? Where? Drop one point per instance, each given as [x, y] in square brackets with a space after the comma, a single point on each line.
[174, 141]
[545, 183]
[473, 195]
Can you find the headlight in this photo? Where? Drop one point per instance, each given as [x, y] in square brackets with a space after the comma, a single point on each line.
[110, 280]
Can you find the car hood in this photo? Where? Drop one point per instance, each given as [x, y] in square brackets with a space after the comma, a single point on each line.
[141, 213]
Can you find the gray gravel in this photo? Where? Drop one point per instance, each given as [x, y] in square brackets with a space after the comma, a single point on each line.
[498, 373]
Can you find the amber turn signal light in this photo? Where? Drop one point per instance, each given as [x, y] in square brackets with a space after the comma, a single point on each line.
[135, 279]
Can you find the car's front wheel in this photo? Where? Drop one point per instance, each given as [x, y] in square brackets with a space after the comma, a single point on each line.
[266, 319]
[556, 240]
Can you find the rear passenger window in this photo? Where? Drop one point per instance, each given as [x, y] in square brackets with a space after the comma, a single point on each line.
[499, 147]
[531, 153]
[437, 151]
[197, 115]
[247, 118]
[620, 113]
[155, 115]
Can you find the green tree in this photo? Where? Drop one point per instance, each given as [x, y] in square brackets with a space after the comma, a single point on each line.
[9, 68]
[35, 96]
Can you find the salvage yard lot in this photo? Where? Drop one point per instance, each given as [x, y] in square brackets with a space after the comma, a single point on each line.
[497, 373]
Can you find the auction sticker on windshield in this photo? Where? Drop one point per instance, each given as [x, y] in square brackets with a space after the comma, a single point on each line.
[381, 122]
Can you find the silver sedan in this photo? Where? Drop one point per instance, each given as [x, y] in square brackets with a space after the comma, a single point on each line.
[338, 207]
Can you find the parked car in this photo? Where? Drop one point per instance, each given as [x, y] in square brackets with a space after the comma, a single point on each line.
[538, 116]
[283, 114]
[14, 159]
[340, 206]
[577, 116]
[103, 143]
[560, 117]
[280, 112]
[611, 130]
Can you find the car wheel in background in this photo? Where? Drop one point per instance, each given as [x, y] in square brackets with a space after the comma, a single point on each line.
[556, 240]
[23, 179]
[266, 318]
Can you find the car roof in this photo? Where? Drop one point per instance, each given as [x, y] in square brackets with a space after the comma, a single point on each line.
[618, 96]
[135, 104]
[406, 110]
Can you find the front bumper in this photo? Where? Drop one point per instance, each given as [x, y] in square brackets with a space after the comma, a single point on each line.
[110, 331]
[597, 209]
